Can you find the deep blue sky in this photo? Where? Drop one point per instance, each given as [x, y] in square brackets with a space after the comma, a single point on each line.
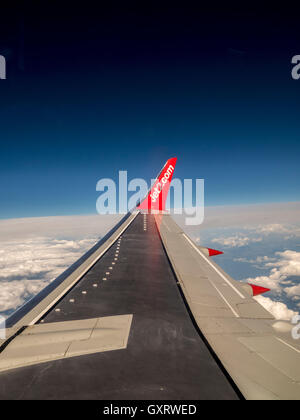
[91, 92]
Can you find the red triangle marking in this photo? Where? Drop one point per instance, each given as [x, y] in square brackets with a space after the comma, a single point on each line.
[214, 252]
[258, 290]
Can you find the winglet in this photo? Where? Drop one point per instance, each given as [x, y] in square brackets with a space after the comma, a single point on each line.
[156, 198]
[258, 290]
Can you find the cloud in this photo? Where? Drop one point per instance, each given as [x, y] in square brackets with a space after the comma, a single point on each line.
[257, 260]
[15, 293]
[236, 241]
[273, 228]
[33, 252]
[278, 309]
[57, 227]
[287, 265]
[250, 216]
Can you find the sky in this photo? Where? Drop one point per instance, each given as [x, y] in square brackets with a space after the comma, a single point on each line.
[89, 93]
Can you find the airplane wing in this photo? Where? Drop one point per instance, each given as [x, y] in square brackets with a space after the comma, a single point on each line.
[146, 314]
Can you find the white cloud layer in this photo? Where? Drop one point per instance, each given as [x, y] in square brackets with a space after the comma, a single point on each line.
[35, 251]
[289, 230]
[252, 234]
[287, 265]
[31, 255]
[27, 267]
[236, 241]
[257, 260]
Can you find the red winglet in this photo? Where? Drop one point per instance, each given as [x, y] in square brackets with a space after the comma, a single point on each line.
[213, 252]
[258, 290]
[156, 199]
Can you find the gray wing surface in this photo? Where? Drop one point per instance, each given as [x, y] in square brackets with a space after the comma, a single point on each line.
[147, 315]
